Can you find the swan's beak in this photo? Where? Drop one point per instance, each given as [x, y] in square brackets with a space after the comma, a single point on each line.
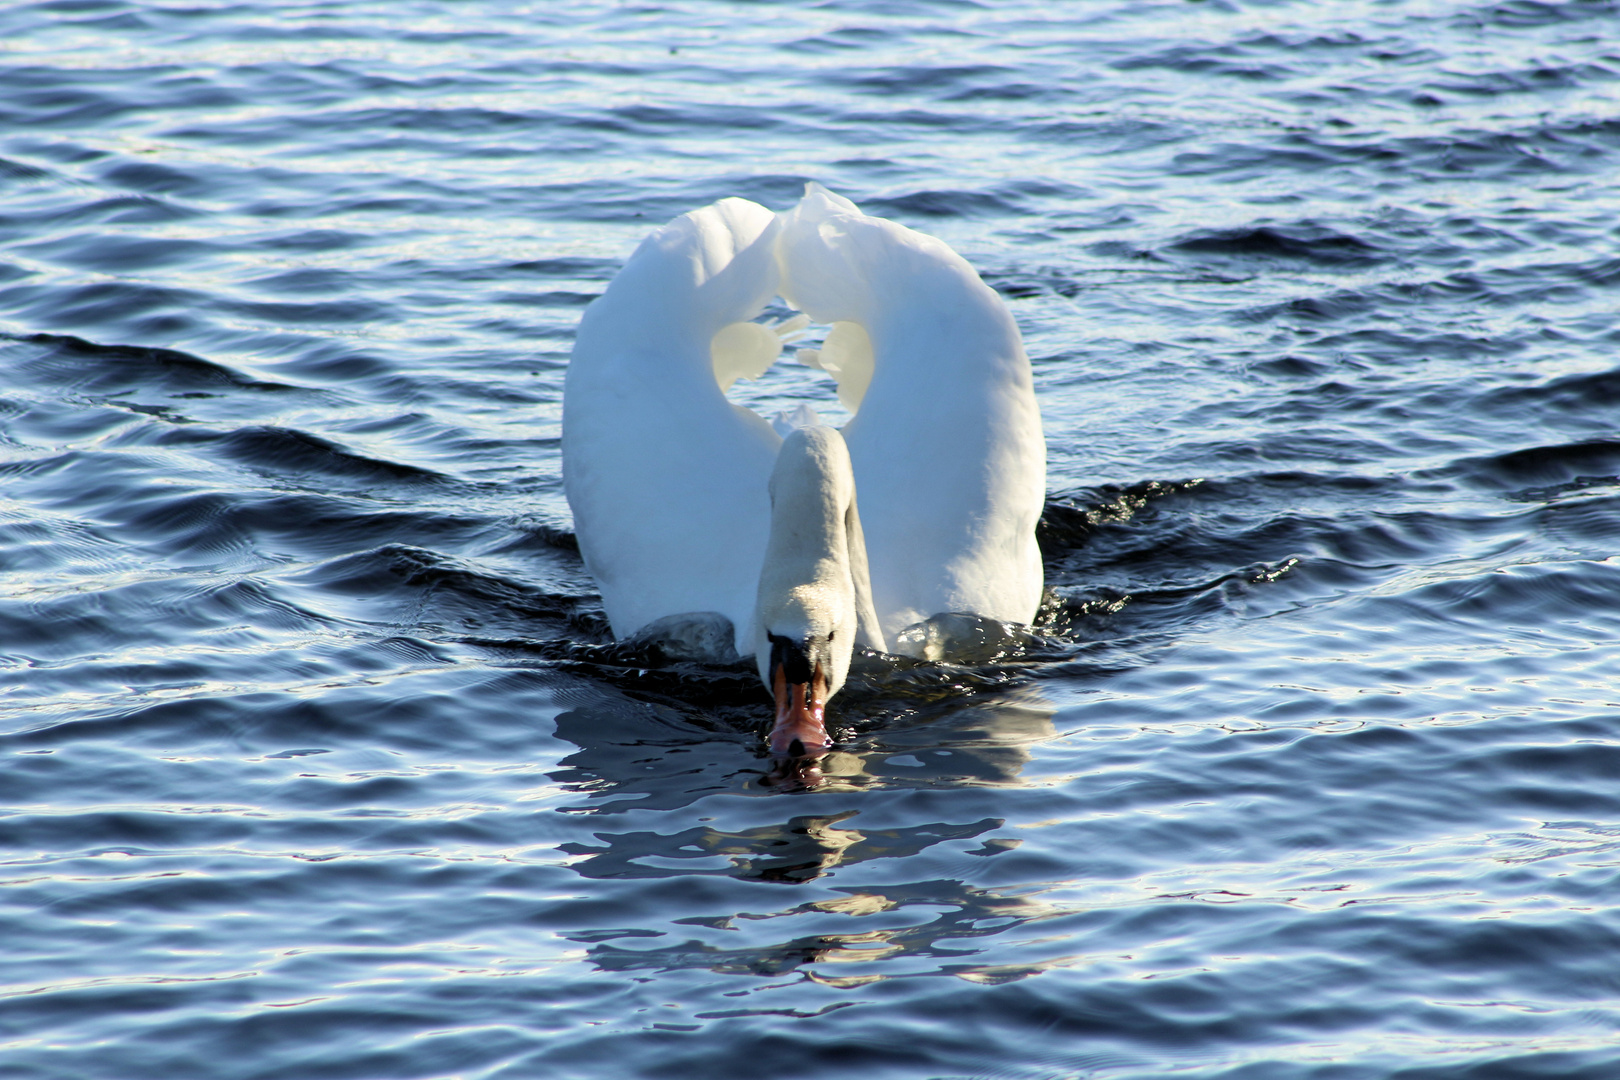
[801, 730]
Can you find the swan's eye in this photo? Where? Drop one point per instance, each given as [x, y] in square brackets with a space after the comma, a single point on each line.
[830, 634]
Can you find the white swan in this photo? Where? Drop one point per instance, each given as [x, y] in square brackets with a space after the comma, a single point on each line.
[671, 484]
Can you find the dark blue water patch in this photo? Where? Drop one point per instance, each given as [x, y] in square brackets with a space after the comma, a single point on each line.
[1023, 284]
[570, 268]
[1239, 60]
[1243, 163]
[307, 280]
[1013, 91]
[1570, 600]
[459, 122]
[314, 85]
[55, 628]
[326, 360]
[412, 586]
[1576, 395]
[1401, 308]
[1399, 346]
[179, 522]
[154, 179]
[842, 40]
[314, 240]
[288, 452]
[19, 174]
[638, 756]
[1521, 286]
[1529, 13]
[41, 425]
[1162, 557]
[1111, 627]
[71, 364]
[73, 109]
[113, 253]
[321, 693]
[1308, 241]
[919, 9]
[932, 81]
[1470, 154]
[1540, 473]
[1327, 308]
[11, 272]
[60, 150]
[314, 313]
[547, 299]
[655, 121]
[1105, 134]
[934, 204]
[609, 201]
[854, 126]
[1321, 447]
[1486, 154]
[1290, 368]
[117, 210]
[117, 308]
[1007, 199]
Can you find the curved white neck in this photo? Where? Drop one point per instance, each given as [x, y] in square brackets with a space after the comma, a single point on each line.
[814, 585]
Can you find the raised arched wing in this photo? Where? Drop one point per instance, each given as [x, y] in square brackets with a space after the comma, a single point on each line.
[950, 462]
[665, 477]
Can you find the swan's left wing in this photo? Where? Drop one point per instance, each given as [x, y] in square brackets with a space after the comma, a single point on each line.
[666, 478]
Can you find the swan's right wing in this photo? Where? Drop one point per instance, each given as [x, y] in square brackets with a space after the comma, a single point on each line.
[950, 462]
[665, 477]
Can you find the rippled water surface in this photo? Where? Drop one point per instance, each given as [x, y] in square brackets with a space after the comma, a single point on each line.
[318, 761]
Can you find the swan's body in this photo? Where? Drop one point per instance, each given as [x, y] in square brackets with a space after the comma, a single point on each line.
[671, 485]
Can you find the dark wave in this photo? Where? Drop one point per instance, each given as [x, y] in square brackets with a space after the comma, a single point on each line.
[111, 369]
[1304, 240]
[1541, 473]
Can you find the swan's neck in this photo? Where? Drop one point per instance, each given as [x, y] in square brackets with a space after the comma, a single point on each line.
[815, 596]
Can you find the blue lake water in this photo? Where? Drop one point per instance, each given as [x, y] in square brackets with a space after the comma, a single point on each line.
[317, 761]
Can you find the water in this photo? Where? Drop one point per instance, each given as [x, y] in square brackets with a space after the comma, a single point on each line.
[317, 760]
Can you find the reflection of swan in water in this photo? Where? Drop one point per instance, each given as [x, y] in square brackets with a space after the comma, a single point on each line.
[638, 757]
[671, 484]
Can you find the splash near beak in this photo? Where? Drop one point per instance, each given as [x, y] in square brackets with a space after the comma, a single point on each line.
[800, 729]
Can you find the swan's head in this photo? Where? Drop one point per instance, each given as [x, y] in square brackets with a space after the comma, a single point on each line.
[801, 675]
[806, 612]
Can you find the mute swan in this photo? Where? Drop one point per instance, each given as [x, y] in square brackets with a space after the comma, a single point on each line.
[671, 484]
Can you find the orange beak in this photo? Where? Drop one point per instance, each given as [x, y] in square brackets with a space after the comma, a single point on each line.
[800, 729]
